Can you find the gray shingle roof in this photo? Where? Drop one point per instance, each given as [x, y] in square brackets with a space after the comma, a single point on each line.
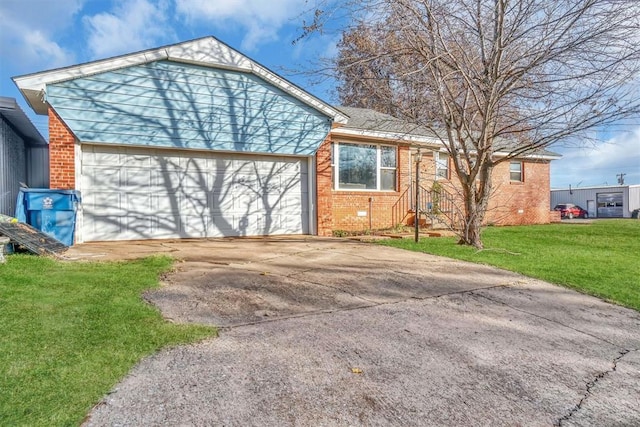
[370, 120]
[366, 119]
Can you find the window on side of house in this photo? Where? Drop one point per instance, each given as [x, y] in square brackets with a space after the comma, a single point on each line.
[515, 172]
[442, 165]
[333, 162]
[365, 167]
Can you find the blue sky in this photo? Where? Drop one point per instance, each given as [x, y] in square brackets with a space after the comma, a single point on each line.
[38, 35]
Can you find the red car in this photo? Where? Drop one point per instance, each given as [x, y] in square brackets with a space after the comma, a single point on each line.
[569, 210]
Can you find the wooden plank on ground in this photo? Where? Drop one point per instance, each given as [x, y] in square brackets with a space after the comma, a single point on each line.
[31, 238]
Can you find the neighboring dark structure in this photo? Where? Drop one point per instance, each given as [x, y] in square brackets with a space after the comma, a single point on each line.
[24, 155]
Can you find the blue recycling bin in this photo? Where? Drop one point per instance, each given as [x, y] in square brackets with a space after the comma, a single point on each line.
[51, 211]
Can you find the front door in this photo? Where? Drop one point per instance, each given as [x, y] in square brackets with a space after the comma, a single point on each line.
[591, 208]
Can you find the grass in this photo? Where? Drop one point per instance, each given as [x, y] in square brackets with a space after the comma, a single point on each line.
[71, 331]
[601, 258]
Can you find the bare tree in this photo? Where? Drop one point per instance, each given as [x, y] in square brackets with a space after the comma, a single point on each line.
[493, 79]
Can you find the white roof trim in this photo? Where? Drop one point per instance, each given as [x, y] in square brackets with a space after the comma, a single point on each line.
[532, 156]
[598, 187]
[207, 51]
[433, 142]
[404, 137]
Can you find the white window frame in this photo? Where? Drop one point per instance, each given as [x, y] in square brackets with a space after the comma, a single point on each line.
[440, 167]
[512, 171]
[335, 165]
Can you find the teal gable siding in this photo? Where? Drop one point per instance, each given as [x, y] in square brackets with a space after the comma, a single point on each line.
[169, 104]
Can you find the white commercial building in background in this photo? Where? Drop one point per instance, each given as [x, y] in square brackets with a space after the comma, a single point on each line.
[601, 202]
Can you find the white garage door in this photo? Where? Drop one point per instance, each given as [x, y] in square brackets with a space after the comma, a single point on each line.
[132, 193]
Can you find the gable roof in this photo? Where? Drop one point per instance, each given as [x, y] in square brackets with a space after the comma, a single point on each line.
[11, 111]
[370, 123]
[206, 51]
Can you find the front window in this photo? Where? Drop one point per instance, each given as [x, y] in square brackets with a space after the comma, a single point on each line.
[515, 171]
[365, 167]
[442, 165]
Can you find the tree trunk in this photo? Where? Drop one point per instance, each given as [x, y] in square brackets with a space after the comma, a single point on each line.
[476, 200]
[472, 232]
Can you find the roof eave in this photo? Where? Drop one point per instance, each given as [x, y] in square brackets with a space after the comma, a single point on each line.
[532, 156]
[33, 86]
[393, 136]
[10, 109]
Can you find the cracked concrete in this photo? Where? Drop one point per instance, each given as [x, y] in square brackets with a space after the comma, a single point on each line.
[610, 406]
[590, 385]
[329, 332]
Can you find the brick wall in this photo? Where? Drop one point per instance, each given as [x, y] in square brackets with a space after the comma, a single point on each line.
[61, 154]
[353, 210]
[515, 203]
[511, 203]
[324, 194]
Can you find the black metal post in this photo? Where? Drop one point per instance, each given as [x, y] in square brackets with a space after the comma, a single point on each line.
[416, 211]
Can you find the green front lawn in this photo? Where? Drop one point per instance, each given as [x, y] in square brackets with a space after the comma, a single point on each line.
[71, 331]
[601, 259]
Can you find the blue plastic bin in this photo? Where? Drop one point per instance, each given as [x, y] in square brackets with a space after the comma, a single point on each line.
[51, 211]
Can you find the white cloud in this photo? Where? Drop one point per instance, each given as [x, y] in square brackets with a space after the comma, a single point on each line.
[599, 165]
[29, 30]
[131, 25]
[41, 48]
[262, 19]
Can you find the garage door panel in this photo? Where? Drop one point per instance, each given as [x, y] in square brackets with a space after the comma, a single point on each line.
[245, 203]
[269, 223]
[137, 179]
[100, 158]
[179, 180]
[255, 224]
[221, 202]
[104, 204]
[221, 226]
[102, 177]
[194, 181]
[199, 164]
[291, 223]
[140, 202]
[610, 205]
[96, 227]
[219, 166]
[136, 226]
[164, 227]
[195, 226]
[194, 203]
[290, 200]
[165, 203]
[167, 180]
[137, 160]
[147, 193]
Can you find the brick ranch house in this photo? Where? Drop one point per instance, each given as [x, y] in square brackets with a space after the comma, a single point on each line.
[521, 185]
[197, 140]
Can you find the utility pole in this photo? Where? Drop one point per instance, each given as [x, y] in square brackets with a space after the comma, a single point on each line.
[620, 177]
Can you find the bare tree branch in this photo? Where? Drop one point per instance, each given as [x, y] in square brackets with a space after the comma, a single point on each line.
[493, 79]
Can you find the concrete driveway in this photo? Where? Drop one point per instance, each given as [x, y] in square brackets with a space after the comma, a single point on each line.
[333, 332]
